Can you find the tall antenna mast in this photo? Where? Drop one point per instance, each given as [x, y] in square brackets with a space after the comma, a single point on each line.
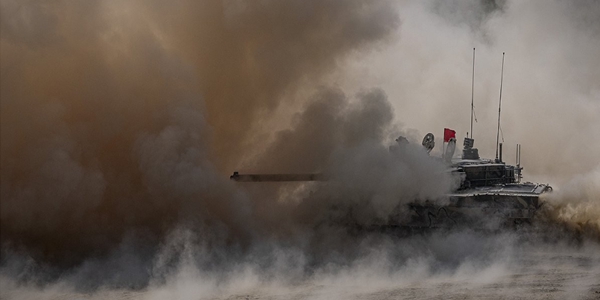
[472, 92]
[499, 106]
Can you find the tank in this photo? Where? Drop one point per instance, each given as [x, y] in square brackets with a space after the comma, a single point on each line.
[491, 194]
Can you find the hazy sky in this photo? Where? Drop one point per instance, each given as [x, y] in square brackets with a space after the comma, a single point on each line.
[551, 92]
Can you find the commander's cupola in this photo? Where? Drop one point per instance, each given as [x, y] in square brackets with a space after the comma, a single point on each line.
[468, 151]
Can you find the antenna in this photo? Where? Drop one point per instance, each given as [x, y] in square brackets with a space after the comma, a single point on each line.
[472, 92]
[518, 162]
[499, 106]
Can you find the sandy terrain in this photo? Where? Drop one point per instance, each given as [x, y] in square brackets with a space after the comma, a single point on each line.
[552, 274]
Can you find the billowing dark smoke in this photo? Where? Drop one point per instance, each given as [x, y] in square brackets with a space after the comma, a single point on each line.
[126, 118]
[343, 140]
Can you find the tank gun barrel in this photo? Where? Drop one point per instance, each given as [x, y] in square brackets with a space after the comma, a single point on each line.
[276, 177]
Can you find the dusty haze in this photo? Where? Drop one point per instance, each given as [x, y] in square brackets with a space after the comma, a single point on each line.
[122, 121]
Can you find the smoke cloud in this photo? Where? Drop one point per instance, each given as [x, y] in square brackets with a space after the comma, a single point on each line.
[576, 205]
[128, 116]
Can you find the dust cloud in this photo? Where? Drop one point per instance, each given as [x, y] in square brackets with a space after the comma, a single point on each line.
[122, 121]
[122, 117]
[576, 205]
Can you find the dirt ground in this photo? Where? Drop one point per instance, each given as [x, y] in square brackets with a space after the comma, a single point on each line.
[540, 274]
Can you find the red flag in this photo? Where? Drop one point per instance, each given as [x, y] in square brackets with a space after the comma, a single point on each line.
[448, 134]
